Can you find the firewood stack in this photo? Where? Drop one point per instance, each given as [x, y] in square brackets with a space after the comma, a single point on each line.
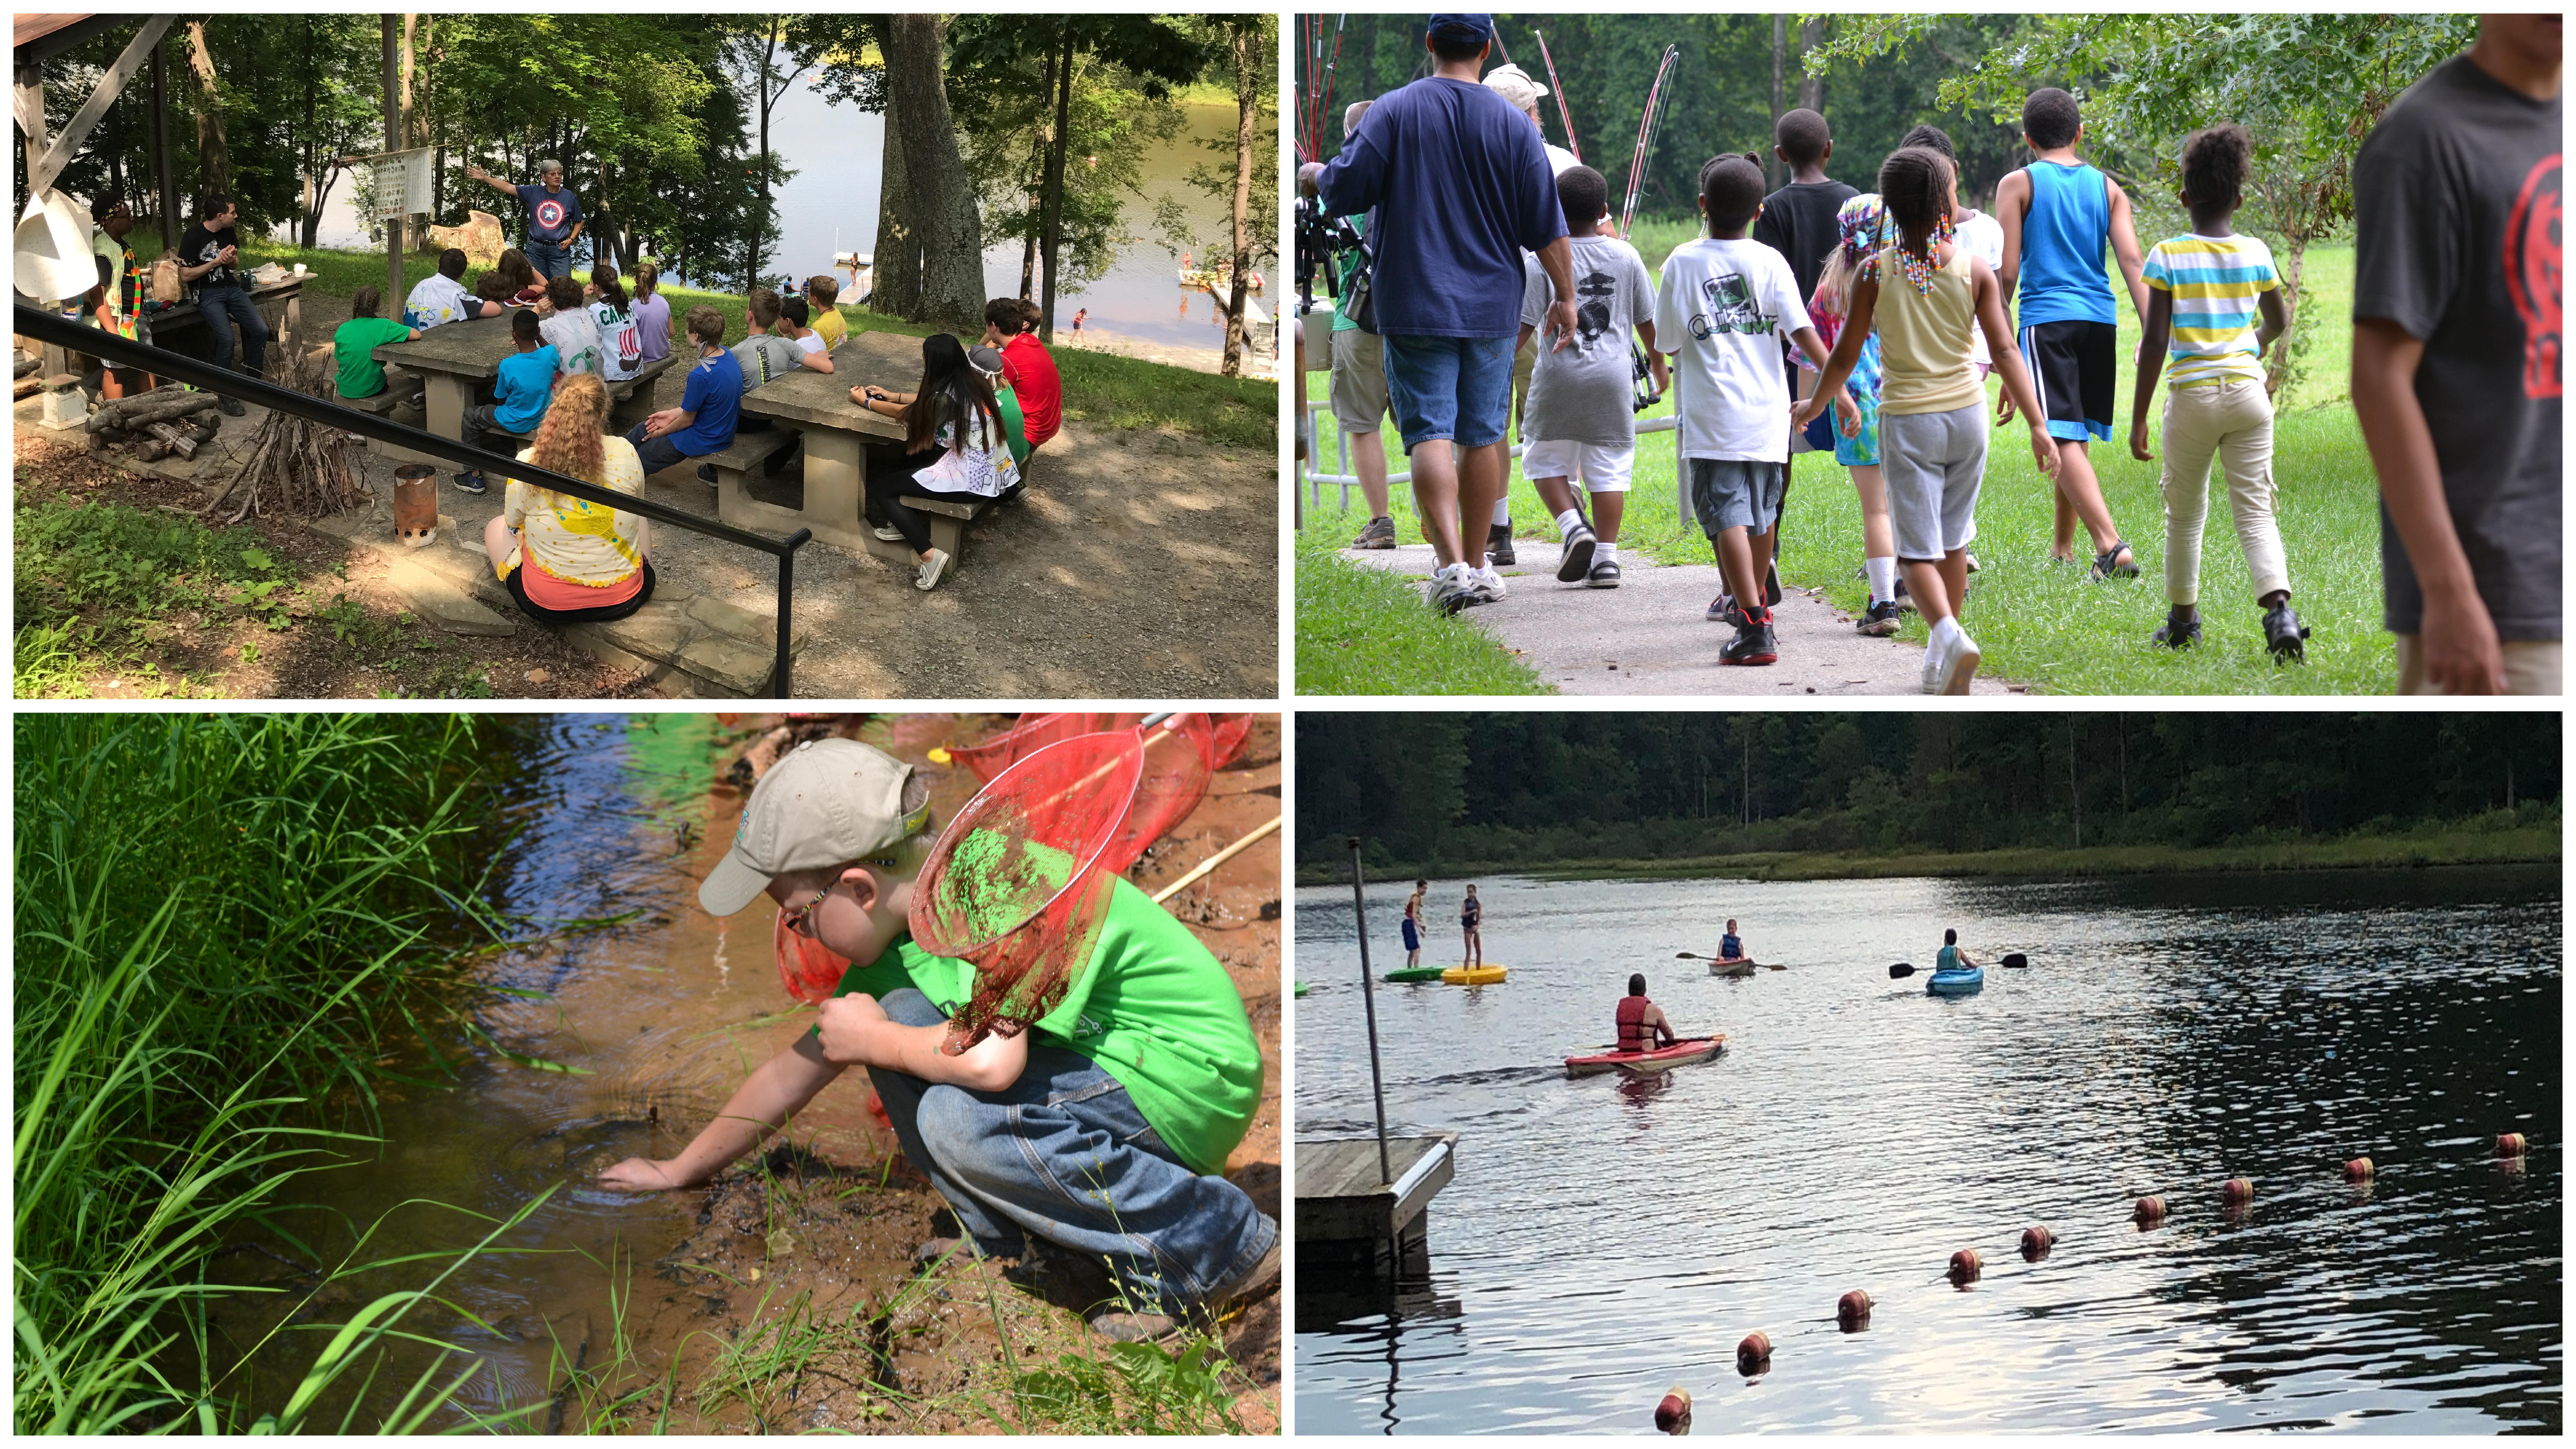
[169, 419]
[297, 467]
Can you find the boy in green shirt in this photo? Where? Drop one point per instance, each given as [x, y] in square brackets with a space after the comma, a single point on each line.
[353, 346]
[1101, 1127]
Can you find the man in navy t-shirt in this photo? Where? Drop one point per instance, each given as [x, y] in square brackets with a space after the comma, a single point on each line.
[1461, 186]
[554, 216]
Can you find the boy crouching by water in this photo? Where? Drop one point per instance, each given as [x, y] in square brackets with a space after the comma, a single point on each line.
[1102, 1129]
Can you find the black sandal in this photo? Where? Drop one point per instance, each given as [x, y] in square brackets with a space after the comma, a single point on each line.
[2104, 568]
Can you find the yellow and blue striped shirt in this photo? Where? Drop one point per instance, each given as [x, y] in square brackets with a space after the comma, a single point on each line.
[2214, 283]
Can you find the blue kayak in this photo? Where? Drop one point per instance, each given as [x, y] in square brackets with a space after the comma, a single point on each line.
[1957, 983]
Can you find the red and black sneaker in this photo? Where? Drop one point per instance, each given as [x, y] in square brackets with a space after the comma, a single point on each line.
[1753, 642]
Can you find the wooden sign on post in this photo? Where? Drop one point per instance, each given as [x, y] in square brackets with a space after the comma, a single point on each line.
[405, 182]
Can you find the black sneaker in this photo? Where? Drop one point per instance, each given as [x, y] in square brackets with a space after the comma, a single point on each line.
[707, 474]
[1881, 620]
[2284, 635]
[1753, 643]
[1575, 564]
[471, 483]
[1498, 545]
[1771, 585]
[230, 406]
[2177, 632]
[1722, 610]
[1904, 595]
[1605, 574]
[1380, 533]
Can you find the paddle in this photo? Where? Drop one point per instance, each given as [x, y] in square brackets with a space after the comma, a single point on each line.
[1903, 969]
[1695, 956]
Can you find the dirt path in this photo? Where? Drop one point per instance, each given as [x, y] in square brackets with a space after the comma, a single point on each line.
[1651, 636]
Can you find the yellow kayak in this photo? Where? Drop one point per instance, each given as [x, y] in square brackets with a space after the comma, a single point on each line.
[1473, 975]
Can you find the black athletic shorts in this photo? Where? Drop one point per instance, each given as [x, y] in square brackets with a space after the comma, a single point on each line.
[2074, 366]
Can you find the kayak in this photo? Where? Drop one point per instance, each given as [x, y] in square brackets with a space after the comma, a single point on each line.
[1957, 983]
[1645, 1064]
[1301, 988]
[1473, 975]
[1740, 966]
[1413, 975]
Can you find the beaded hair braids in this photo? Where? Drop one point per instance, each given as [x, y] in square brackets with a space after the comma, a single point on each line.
[1914, 184]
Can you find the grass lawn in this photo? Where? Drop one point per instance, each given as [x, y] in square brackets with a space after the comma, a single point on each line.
[1100, 390]
[1366, 631]
[2039, 624]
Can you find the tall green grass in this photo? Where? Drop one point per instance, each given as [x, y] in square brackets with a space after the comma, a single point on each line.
[223, 926]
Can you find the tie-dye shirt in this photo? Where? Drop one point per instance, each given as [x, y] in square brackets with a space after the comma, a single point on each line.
[2214, 282]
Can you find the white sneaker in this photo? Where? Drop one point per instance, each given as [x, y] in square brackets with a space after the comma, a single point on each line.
[1932, 665]
[1451, 589]
[1489, 582]
[888, 532]
[931, 568]
[1959, 667]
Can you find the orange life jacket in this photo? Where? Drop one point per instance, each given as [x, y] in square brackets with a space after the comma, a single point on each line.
[1634, 1034]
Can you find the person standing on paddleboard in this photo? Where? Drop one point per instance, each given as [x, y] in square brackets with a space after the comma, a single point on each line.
[1471, 915]
[1730, 947]
[1951, 957]
[1642, 1024]
[1413, 925]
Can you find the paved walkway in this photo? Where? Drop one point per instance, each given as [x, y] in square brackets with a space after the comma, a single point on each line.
[1650, 635]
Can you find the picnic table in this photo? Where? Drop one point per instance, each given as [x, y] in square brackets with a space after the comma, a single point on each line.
[182, 328]
[458, 361]
[836, 432]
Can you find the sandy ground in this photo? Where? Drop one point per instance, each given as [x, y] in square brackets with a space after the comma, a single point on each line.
[1651, 636]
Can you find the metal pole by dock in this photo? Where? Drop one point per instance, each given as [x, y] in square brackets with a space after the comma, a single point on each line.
[1368, 997]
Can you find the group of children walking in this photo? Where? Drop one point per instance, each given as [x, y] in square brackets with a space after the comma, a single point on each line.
[1822, 317]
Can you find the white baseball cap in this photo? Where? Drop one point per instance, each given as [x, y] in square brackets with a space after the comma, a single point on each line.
[1514, 85]
[829, 802]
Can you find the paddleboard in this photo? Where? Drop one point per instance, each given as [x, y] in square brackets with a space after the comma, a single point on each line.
[1412, 975]
[1473, 975]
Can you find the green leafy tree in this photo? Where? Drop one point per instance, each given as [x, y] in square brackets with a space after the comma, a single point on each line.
[1247, 51]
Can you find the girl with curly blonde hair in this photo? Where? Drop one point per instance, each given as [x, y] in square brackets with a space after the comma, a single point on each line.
[566, 559]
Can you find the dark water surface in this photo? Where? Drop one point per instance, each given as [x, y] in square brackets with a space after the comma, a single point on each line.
[1605, 1239]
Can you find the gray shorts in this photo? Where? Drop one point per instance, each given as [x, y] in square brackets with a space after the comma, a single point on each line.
[1934, 463]
[1736, 493]
[1359, 381]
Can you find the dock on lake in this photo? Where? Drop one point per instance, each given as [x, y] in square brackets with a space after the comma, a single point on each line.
[1348, 1216]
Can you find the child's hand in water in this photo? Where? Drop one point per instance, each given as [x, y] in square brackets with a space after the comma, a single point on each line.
[642, 1174]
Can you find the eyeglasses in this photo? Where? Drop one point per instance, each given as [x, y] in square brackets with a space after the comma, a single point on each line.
[801, 919]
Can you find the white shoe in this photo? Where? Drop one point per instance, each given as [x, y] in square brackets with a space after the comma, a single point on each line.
[1452, 589]
[888, 532]
[1932, 665]
[1959, 667]
[931, 568]
[1489, 582]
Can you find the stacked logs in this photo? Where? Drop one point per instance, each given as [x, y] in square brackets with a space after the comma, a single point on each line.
[297, 466]
[169, 419]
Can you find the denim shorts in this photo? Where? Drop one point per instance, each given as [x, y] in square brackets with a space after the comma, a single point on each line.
[1457, 389]
[1735, 493]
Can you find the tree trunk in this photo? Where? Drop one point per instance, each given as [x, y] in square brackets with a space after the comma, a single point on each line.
[213, 161]
[1037, 181]
[1050, 235]
[1245, 100]
[1779, 60]
[1811, 88]
[760, 212]
[895, 280]
[950, 245]
[410, 117]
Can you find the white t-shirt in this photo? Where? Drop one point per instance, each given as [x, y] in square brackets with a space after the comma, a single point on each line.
[576, 341]
[811, 342]
[1983, 237]
[1721, 312]
[1558, 158]
[439, 299]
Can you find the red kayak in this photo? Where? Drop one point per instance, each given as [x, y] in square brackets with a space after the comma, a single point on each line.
[1662, 1059]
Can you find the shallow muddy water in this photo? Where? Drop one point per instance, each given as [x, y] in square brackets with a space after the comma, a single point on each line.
[652, 1025]
[1606, 1238]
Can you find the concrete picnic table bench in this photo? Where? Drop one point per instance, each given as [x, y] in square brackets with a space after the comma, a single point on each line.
[457, 360]
[836, 432]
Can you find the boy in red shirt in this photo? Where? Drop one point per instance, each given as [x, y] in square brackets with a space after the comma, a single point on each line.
[1026, 365]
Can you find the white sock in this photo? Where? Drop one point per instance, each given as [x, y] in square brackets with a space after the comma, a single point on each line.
[1945, 636]
[1503, 512]
[1601, 551]
[1882, 578]
[1565, 523]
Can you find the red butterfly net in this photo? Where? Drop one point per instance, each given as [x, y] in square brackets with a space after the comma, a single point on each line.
[1019, 880]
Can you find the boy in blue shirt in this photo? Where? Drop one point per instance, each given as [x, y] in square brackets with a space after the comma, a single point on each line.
[703, 422]
[2058, 214]
[520, 394]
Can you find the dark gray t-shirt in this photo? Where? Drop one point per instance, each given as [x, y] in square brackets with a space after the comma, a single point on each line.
[2455, 207]
[1581, 395]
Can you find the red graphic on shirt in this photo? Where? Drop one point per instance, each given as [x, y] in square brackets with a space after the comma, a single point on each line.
[550, 214]
[2532, 276]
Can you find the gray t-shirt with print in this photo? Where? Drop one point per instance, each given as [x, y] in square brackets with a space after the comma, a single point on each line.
[765, 357]
[1582, 394]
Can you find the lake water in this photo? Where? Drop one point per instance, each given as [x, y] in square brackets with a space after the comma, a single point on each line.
[831, 205]
[1606, 1238]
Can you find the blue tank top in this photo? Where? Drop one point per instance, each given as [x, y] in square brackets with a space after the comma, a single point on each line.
[1948, 960]
[2064, 241]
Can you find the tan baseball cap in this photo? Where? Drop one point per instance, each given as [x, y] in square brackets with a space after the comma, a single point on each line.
[1514, 85]
[829, 802]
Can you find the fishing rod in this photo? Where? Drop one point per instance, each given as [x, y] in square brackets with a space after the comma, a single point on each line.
[1324, 105]
[1641, 386]
[1558, 86]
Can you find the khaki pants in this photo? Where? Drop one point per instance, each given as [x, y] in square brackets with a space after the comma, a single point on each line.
[2229, 423]
[2531, 666]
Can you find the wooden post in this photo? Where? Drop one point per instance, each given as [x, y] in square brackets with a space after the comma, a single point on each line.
[393, 142]
[168, 204]
[1368, 998]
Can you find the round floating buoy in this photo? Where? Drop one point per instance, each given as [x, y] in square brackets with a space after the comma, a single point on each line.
[2151, 1211]
[2036, 1240]
[1673, 1414]
[2237, 1191]
[2510, 1145]
[2360, 1169]
[1966, 1266]
[1853, 1310]
[1753, 1352]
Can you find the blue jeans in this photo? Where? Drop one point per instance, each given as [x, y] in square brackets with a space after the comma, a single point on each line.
[1455, 388]
[1063, 1153]
[224, 308]
[657, 453]
[551, 259]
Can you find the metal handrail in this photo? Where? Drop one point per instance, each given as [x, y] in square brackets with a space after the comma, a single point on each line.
[73, 336]
[1310, 470]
